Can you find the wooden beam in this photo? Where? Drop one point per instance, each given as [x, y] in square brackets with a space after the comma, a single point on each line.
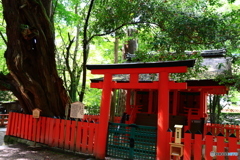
[139, 85]
[180, 69]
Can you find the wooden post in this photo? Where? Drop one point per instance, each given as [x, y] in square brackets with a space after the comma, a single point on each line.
[163, 117]
[187, 145]
[36, 116]
[104, 117]
[197, 147]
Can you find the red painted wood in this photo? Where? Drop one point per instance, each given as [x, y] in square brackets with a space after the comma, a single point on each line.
[233, 147]
[38, 134]
[91, 138]
[169, 138]
[135, 85]
[85, 137]
[15, 124]
[227, 130]
[220, 146]
[95, 139]
[187, 146]
[238, 132]
[56, 133]
[12, 124]
[23, 126]
[30, 128]
[73, 136]
[208, 146]
[47, 130]
[43, 129]
[180, 69]
[79, 137]
[8, 131]
[34, 129]
[68, 134]
[163, 117]
[18, 125]
[174, 85]
[134, 78]
[197, 147]
[104, 117]
[62, 133]
[26, 133]
[51, 129]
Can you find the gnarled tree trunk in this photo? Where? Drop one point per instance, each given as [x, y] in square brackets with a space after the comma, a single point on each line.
[30, 57]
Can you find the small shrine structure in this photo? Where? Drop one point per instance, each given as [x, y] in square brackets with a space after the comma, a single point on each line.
[161, 102]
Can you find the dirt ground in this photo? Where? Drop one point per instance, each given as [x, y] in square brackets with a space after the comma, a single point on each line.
[24, 152]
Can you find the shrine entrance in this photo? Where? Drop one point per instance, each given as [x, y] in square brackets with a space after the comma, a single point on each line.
[135, 71]
[131, 141]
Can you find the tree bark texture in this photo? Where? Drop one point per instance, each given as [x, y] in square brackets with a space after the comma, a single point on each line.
[30, 57]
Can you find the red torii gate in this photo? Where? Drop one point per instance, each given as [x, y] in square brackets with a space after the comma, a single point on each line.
[163, 85]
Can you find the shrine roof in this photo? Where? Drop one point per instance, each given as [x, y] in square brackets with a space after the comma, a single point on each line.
[188, 63]
[203, 82]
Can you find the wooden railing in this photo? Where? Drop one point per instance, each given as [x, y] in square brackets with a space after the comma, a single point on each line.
[66, 134]
[225, 129]
[3, 120]
[201, 146]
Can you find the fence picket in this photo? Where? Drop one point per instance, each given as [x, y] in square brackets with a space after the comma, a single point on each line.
[233, 147]
[38, 135]
[51, 128]
[22, 126]
[84, 137]
[26, 126]
[15, 123]
[56, 133]
[43, 129]
[208, 146]
[197, 146]
[79, 137]
[220, 145]
[68, 134]
[73, 134]
[9, 126]
[91, 137]
[187, 145]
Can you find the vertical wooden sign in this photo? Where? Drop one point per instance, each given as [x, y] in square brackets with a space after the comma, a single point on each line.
[36, 113]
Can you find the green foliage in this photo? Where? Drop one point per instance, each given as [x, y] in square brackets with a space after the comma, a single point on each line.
[92, 100]
[6, 96]
[193, 73]
[231, 77]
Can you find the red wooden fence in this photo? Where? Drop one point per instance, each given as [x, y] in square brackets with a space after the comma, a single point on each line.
[225, 129]
[200, 147]
[66, 134]
[3, 120]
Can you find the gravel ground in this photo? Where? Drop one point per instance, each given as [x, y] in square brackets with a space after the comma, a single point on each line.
[24, 152]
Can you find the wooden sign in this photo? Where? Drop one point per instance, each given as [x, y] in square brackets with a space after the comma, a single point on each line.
[77, 110]
[36, 113]
[178, 133]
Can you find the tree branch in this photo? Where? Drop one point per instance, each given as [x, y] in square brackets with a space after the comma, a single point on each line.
[5, 41]
[117, 28]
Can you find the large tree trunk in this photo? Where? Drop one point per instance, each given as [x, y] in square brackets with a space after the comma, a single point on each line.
[30, 57]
